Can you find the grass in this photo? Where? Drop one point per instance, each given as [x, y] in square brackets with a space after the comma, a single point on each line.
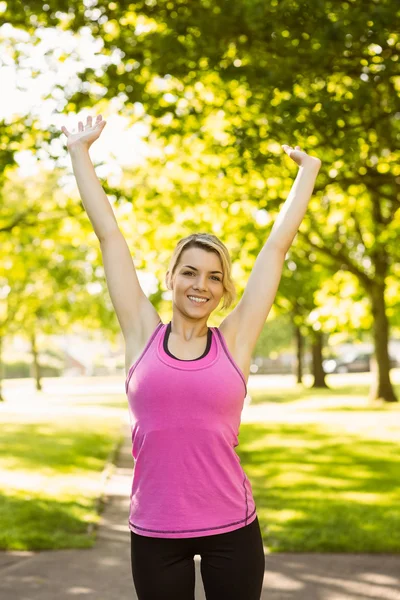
[51, 465]
[345, 392]
[323, 465]
[320, 490]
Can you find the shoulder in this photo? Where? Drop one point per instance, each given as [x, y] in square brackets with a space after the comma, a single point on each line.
[229, 336]
[135, 345]
[239, 349]
[230, 329]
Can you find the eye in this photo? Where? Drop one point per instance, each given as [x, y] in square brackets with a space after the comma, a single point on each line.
[191, 273]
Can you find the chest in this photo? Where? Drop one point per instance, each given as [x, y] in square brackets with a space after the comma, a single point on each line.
[195, 349]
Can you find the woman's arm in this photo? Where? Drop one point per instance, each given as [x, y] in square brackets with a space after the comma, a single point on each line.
[134, 310]
[292, 212]
[93, 197]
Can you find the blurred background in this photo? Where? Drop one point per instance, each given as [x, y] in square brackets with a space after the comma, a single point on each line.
[198, 100]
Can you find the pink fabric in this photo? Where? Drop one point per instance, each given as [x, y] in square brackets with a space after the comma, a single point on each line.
[185, 419]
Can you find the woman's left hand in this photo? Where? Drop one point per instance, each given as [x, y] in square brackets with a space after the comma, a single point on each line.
[300, 157]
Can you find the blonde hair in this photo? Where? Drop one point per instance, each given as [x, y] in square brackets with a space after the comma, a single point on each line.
[209, 243]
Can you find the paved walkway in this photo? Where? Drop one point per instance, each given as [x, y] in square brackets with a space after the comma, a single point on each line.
[103, 572]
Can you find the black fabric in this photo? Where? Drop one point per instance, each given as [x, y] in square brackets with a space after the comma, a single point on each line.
[232, 565]
[206, 351]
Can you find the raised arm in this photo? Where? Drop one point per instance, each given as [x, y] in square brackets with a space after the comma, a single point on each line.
[245, 322]
[94, 198]
[133, 309]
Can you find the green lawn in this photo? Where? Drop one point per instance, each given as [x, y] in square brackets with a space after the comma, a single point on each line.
[324, 466]
[319, 490]
[51, 470]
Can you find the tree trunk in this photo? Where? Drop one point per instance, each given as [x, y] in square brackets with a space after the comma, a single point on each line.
[35, 364]
[318, 370]
[299, 353]
[381, 388]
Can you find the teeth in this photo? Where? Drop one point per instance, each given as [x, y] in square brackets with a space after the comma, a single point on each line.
[196, 300]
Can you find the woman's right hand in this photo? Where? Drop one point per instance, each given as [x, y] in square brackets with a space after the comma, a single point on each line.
[85, 135]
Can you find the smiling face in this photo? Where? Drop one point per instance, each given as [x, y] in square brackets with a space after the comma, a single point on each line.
[198, 273]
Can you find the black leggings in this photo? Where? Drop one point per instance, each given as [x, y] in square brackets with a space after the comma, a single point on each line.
[232, 565]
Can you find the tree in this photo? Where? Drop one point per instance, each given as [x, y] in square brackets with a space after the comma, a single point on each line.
[245, 76]
[51, 277]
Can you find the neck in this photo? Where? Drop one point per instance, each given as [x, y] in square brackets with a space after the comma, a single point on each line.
[188, 331]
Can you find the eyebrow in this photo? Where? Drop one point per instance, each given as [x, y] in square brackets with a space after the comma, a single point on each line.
[194, 269]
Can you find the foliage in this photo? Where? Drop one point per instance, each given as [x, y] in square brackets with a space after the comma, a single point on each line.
[221, 85]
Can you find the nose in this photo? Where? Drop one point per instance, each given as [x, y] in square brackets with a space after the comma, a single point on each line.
[199, 285]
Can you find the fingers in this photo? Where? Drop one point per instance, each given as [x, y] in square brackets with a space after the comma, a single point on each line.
[89, 124]
[287, 148]
[100, 122]
[89, 121]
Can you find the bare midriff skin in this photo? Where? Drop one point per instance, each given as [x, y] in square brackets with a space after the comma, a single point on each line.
[190, 350]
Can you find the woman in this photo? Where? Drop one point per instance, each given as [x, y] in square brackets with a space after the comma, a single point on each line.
[186, 384]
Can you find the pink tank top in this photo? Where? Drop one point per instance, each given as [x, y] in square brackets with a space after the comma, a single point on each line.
[185, 418]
